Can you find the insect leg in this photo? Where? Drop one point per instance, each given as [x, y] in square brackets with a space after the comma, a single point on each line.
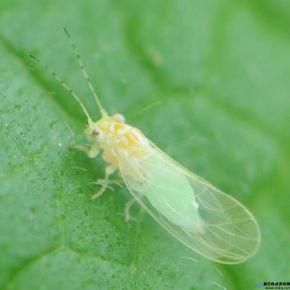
[128, 206]
[92, 151]
[104, 182]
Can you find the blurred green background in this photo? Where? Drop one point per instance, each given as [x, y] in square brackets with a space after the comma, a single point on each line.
[206, 80]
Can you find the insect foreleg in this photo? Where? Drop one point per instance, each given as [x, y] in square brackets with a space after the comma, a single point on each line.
[92, 151]
[104, 182]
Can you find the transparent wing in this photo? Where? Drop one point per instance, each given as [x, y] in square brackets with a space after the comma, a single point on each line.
[202, 217]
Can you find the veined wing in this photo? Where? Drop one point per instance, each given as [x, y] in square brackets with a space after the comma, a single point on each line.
[202, 217]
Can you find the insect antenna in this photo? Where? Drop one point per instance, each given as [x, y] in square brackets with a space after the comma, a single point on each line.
[85, 74]
[64, 85]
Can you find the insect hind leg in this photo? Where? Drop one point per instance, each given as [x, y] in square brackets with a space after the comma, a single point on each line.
[127, 209]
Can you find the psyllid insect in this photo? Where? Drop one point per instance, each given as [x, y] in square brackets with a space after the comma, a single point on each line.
[199, 215]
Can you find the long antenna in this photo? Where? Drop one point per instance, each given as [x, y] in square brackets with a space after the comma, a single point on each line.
[68, 89]
[85, 74]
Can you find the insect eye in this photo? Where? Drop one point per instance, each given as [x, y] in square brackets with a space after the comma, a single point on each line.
[96, 132]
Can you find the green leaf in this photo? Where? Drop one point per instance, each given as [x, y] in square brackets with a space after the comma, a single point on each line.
[208, 81]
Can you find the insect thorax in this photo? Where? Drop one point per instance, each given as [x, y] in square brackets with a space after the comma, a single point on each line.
[123, 141]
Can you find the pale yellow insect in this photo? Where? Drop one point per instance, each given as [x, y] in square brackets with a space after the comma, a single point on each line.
[199, 215]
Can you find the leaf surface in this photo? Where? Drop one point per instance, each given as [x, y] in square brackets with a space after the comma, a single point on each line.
[205, 80]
